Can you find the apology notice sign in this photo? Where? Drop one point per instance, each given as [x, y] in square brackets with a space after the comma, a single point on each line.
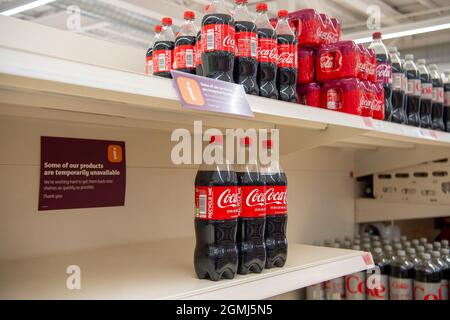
[81, 173]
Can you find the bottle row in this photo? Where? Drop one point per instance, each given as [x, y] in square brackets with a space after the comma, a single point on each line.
[404, 270]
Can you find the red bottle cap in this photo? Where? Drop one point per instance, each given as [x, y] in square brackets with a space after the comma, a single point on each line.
[189, 15]
[241, 1]
[158, 28]
[246, 141]
[377, 35]
[166, 21]
[283, 14]
[216, 140]
[268, 144]
[261, 6]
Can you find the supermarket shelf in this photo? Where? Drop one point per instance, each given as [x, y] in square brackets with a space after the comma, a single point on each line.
[164, 270]
[373, 210]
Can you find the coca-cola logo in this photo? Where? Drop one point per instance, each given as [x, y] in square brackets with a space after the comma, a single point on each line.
[229, 42]
[273, 197]
[198, 53]
[365, 103]
[326, 36]
[228, 200]
[327, 61]
[286, 58]
[268, 53]
[376, 105]
[383, 71]
[378, 292]
[354, 285]
[400, 286]
[420, 293]
[256, 198]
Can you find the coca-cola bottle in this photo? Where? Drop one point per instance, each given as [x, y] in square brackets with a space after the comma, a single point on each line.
[398, 88]
[427, 280]
[443, 267]
[149, 54]
[246, 59]
[380, 289]
[287, 59]
[316, 292]
[413, 93]
[199, 50]
[218, 42]
[437, 109]
[426, 94]
[412, 256]
[355, 284]
[267, 54]
[252, 219]
[216, 212]
[184, 53]
[383, 71]
[276, 211]
[163, 50]
[446, 273]
[447, 100]
[401, 278]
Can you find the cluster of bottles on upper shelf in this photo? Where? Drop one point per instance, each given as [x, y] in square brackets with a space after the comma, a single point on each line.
[404, 270]
[240, 214]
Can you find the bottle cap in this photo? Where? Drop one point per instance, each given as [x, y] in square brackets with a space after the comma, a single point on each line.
[393, 49]
[411, 250]
[158, 28]
[421, 61]
[437, 244]
[216, 140]
[436, 254]
[388, 248]
[377, 250]
[241, 1]
[444, 252]
[433, 67]
[246, 141]
[261, 7]
[403, 238]
[189, 15]
[421, 248]
[415, 241]
[444, 243]
[401, 253]
[429, 246]
[377, 35]
[411, 57]
[166, 21]
[426, 256]
[283, 14]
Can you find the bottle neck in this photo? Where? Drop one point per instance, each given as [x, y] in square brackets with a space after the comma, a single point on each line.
[283, 27]
[241, 12]
[188, 28]
[262, 20]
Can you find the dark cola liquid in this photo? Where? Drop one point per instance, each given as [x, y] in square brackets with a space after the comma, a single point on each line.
[186, 41]
[405, 271]
[425, 105]
[287, 77]
[413, 102]
[398, 114]
[437, 109]
[218, 64]
[276, 225]
[245, 68]
[381, 58]
[216, 253]
[163, 45]
[447, 109]
[198, 67]
[250, 232]
[267, 72]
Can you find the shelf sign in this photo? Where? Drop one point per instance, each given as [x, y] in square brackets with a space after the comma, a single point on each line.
[81, 173]
[201, 93]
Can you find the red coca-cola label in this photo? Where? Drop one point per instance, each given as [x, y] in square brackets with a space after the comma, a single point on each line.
[276, 200]
[384, 72]
[162, 60]
[198, 53]
[355, 286]
[330, 61]
[218, 37]
[253, 202]
[217, 203]
[365, 105]
[326, 37]
[184, 57]
[426, 290]
[287, 56]
[400, 289]
[267, 50]
[427, 91]
[379, 290]
[246, 44]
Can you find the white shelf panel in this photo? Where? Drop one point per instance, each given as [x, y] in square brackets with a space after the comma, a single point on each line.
[373, 210]
[164, 270]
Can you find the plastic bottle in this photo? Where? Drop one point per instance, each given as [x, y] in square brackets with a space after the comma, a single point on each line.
[199, 49]
[267, 54]
[246, 58]
[185, 43]
[413, 93]
[355, 284]
[401, 278]
[427, 281]
[218, 42]
[412, 256]
[380, 290]
[426, 94]
[437, 109]
[149, 54]
[216, 212]
[443, 267]
[316, 292]
[163, 50]
[447, 100]
[398, 88]
[287, 59]
[446, 259]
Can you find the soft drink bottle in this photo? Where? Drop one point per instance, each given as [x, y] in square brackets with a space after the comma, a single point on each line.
[316, 292]
[267, 54]
[184, 53]
[252, 219]
[446, 274]
[426, 100]
[401, 278]
[149, 54]
[427, 280]
[443, 267]
[335, 288]
[447, 100]
[380, 291]
[383, 71]
[355, 284]
[216, 212]
[287, 59]
[199, 49]
[246, 59]
[412, 256]
[276, 212]
[413, 93]
[398, 93]
[163, 50]
[218, 42]
[437, 109]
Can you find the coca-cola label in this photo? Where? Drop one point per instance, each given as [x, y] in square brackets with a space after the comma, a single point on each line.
[327, 37]
[355, 286]
[414, 87]
[246, 44]
[426, 290]
[380, 290]
[438, 94]
[443, 290]
[253, 201]
[184, 57]
[384, 72]
[198, 53]
[218, 37]
[365, 104]
[447, 99]
[276, 200]
[267, 50]
[149, 65]
[400, 289]
[426, 91]
[330, 61]
[405, 83]
[334, 99]
[287, 56]
[397, 81]
[162, 61]
[315, 292]
[335, 289]
[217, 203]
